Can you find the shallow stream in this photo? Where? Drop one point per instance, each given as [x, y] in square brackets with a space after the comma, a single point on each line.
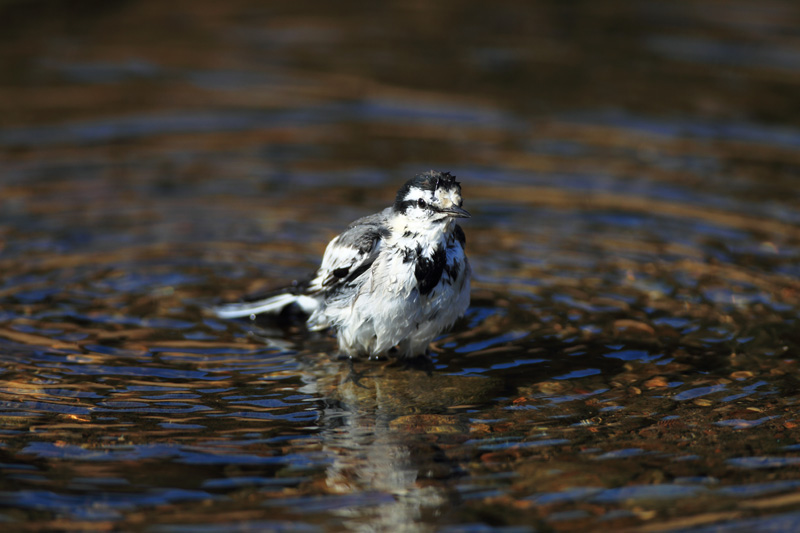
[630, 357]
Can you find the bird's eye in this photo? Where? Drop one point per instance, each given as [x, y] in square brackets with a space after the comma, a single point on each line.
[421, 203]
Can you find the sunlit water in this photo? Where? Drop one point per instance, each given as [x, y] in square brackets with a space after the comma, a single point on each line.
[629, 359]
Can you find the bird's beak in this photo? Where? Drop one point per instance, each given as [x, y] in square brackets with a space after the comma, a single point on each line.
[456, 212]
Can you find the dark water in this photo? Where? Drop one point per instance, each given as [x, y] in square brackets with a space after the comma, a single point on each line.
[630, 359]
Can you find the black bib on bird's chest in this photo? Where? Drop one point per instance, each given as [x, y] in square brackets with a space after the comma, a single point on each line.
[428, 270]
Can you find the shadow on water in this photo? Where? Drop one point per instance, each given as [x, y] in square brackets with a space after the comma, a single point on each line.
[629, 360]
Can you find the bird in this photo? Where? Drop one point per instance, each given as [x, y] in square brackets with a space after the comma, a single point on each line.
[391, 281]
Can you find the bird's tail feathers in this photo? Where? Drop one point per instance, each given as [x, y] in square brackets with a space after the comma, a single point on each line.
[274, 304]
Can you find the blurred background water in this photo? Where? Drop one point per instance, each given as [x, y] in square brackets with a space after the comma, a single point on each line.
[630, 357]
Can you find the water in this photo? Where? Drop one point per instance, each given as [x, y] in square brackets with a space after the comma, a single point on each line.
[630, 356]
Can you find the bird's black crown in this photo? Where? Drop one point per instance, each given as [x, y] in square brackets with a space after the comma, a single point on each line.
[429, 181]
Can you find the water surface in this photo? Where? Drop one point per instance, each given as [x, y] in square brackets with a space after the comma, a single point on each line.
[629, 360]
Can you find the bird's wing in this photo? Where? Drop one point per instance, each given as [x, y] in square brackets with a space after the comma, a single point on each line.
[351, 253]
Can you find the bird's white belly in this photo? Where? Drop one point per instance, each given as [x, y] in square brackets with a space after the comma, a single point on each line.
[388, 309]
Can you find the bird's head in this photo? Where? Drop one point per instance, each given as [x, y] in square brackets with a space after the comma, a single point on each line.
[432, 196]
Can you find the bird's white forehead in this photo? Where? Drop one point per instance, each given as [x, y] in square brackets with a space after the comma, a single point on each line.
[448, 197]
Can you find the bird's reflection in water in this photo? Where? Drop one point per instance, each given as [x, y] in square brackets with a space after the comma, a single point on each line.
[383, 432]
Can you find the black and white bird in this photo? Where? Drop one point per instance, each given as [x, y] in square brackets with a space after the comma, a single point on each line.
[392, 281]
